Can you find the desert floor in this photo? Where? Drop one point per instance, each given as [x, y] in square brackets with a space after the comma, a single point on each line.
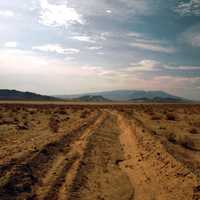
[99, 152]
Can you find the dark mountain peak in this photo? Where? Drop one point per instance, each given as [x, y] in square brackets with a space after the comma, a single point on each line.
[6, 94]
[127, 95]
[92, 98]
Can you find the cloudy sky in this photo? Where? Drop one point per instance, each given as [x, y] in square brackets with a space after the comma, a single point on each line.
[72, 46]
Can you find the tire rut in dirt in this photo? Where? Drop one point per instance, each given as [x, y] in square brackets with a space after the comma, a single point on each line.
[98, 175]
[53, 190]
[193, 167]
[154, 172]
[18, 183]
[60, 187]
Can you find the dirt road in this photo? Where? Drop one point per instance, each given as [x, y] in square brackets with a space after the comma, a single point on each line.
[106, 157]
[153, 172]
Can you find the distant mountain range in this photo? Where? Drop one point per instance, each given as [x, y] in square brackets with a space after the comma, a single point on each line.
[18, 95]
[117, 95]
[128, 95]
[91, 98]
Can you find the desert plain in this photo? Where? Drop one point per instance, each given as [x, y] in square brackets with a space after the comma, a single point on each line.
[99, 151]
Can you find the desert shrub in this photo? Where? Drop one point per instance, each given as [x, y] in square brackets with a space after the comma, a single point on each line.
[162, 128]
[156, 117]
[40, 110]
[16, 120]
[129, 112]
[47, 112]
[23, 126]
[67, 118]
[187, 142]
[24, 117]
[171, 117]
[24, 109]
[32, 112]
[194, 131]
[196, 124]
[84, 114]
[121, 110]
[171, 137]
[54, 124]
[151, 113]
[164, 112]
[15, 110]
[62, 112]
[6, 121]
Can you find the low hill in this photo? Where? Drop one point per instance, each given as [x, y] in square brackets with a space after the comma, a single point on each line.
[91, 98]
[18, 95]
[127, 95]
[159, 100]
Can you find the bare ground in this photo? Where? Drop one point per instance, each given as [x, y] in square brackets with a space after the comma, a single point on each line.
[99, 153]
[153, 172]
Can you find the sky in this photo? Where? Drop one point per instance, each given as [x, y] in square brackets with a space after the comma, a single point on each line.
[75, 46]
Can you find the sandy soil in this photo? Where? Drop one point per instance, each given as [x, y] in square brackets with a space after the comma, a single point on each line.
[134, 152]
[153, 172]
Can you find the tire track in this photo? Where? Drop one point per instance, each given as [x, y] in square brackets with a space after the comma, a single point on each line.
[153, 172]
[98, 176]
[59, 187]
[16, 160]
[20, 181]
[188, 158]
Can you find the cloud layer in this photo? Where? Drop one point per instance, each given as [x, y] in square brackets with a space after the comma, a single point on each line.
[58, 15]
[80, 46]
[57, 48]
[191, 7]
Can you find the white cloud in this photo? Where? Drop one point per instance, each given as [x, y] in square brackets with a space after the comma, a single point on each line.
[15, 61]
[100, 53]
[84, 39]
[139, 40]
[27, 70]
[177, 81]
[58, 15]
[94, 48]
[56, 48]
[185, 68]
[151, 45]
[154, 65]
[188, 8]
[91, 37]
[193, 39]
[11, 44]
[100, 71]
[109, 11]
[119, 8]
[135, 34]
[92, 69]
[183, 86]
[69, 58]
[191, 36]
[145, 65]
[6, 13]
